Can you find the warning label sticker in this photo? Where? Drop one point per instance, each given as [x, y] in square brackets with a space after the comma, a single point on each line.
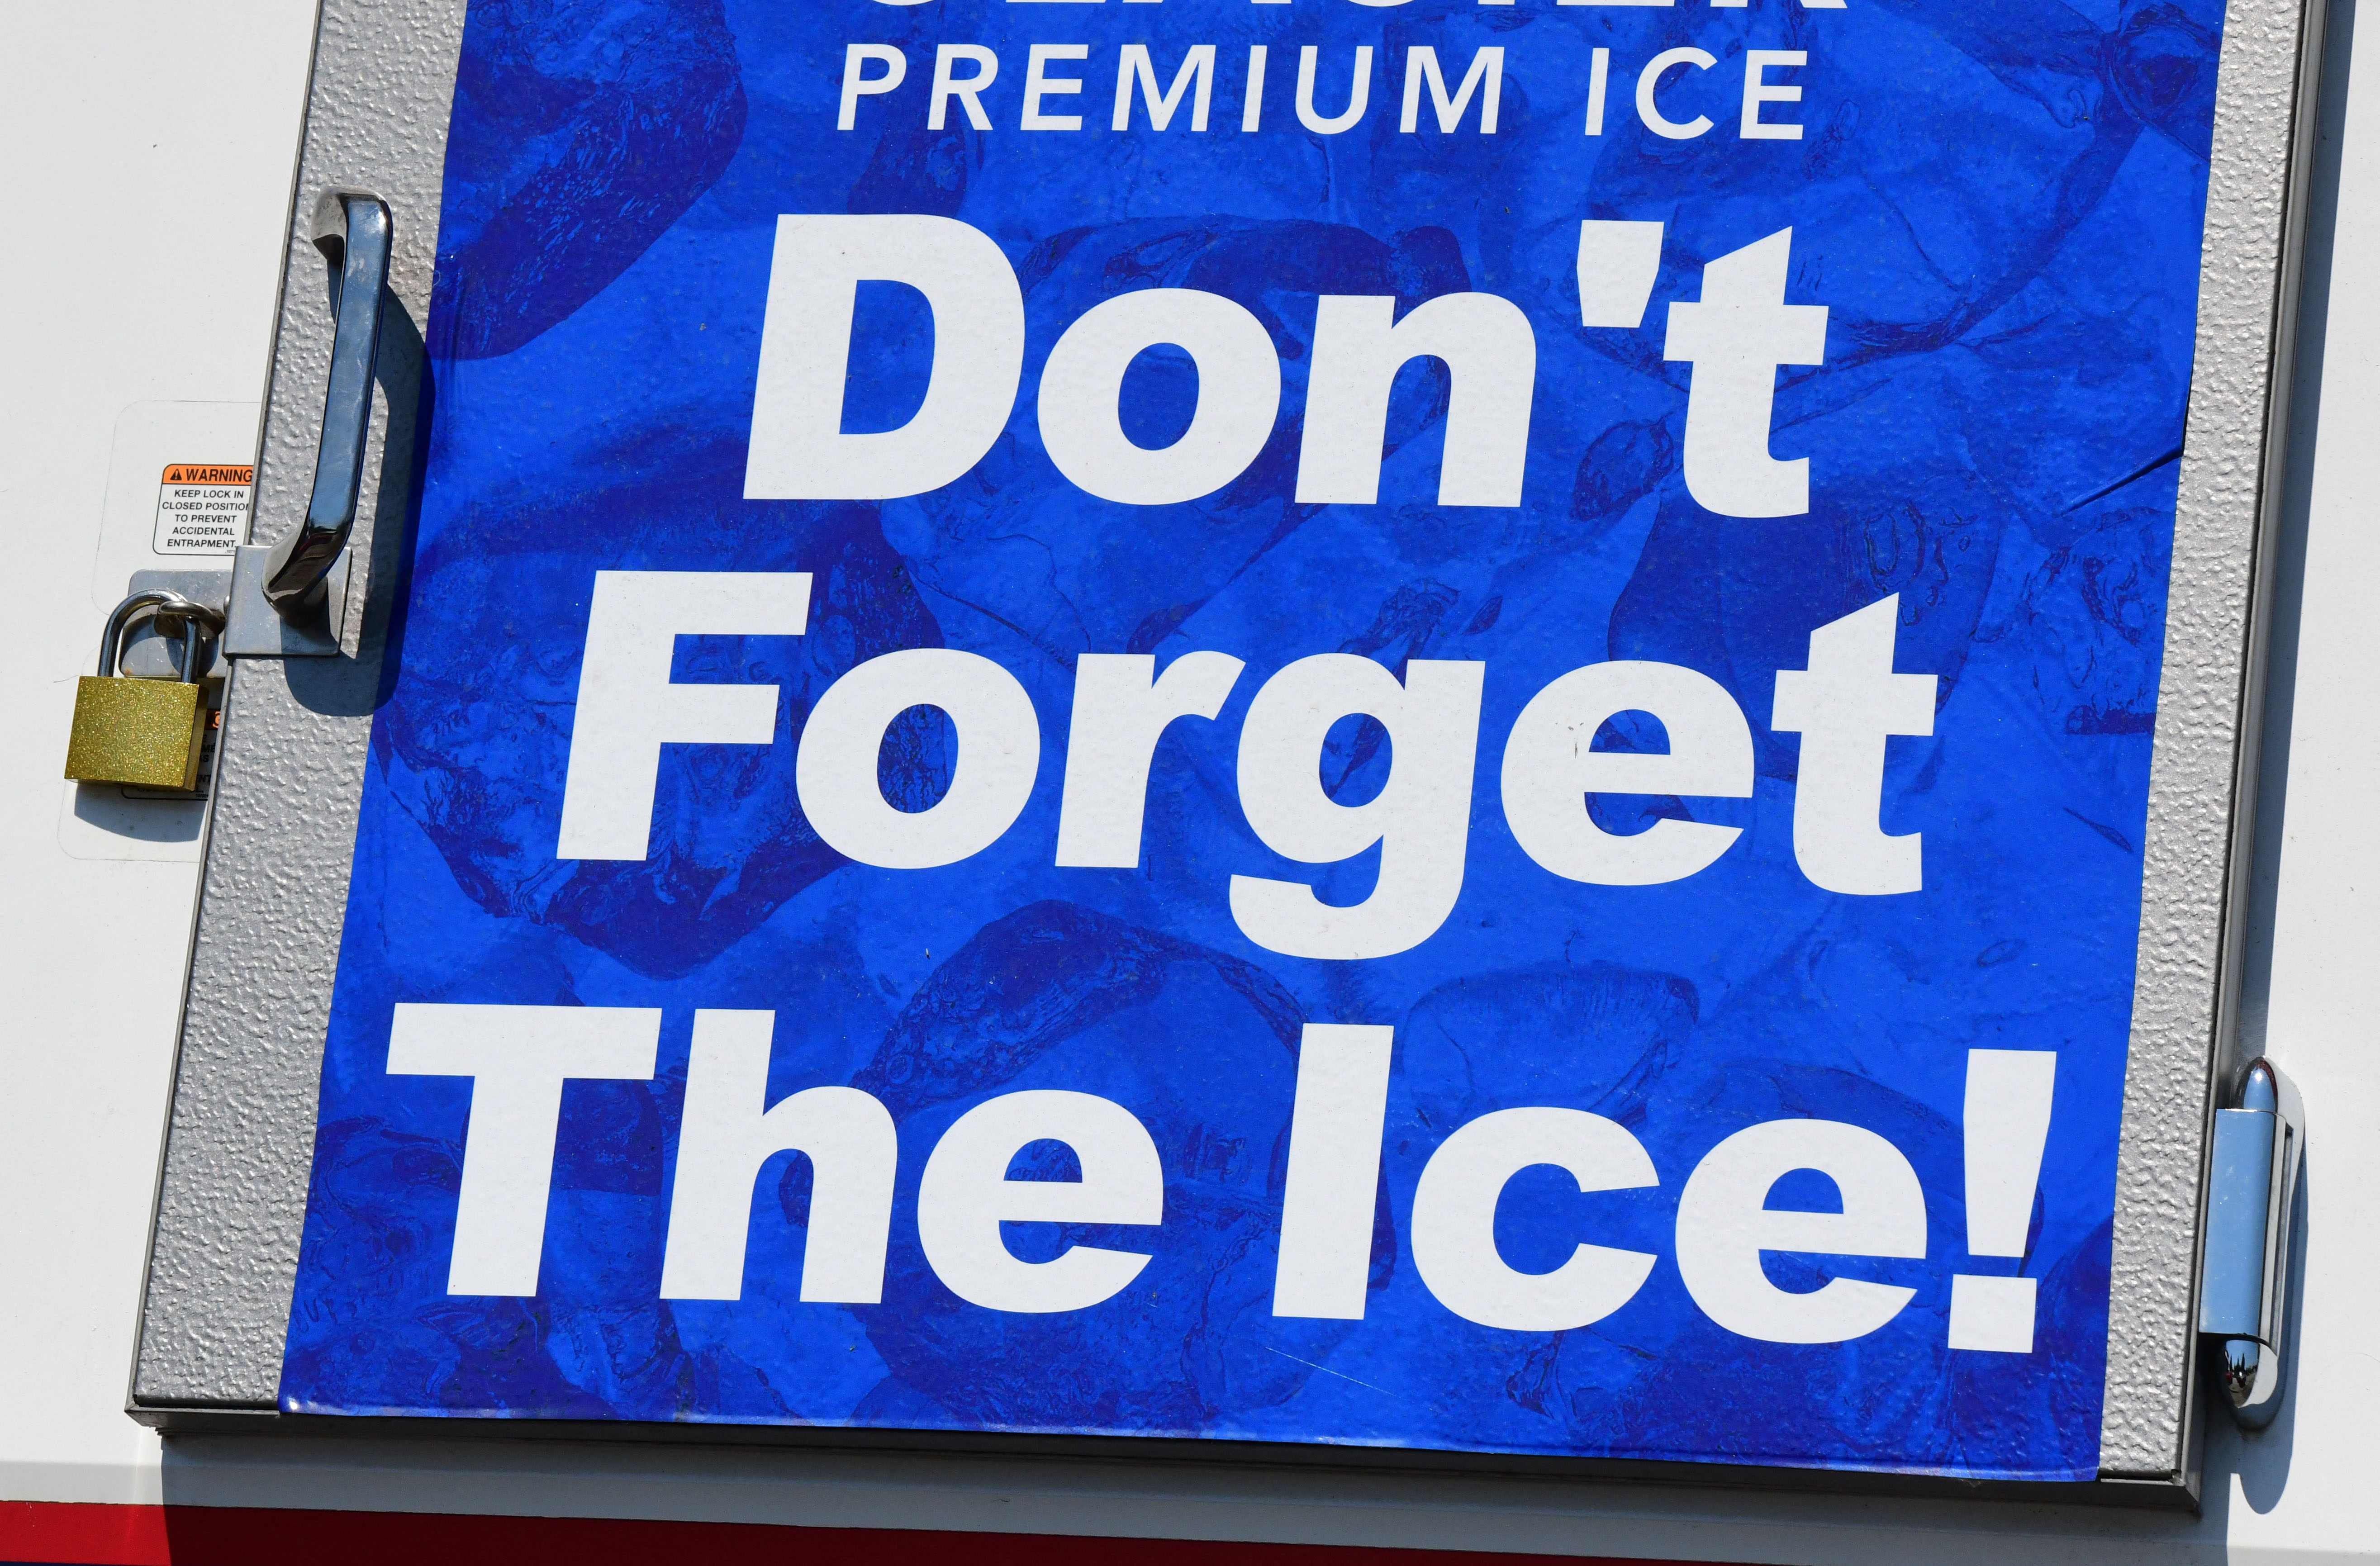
[202, 507]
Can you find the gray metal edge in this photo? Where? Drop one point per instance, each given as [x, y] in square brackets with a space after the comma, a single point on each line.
[238, 1148]
[272, 895]
[2198, 854]
[206, 825]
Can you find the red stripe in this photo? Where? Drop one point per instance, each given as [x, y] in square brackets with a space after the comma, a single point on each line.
[83, 1535]
[59, 1535]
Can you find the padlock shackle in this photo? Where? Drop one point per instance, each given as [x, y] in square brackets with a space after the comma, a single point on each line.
[158, 600]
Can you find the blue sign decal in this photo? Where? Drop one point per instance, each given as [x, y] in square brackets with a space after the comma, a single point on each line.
[1409, 725]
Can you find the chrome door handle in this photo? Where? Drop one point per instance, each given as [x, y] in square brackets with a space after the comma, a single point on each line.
[352, 230]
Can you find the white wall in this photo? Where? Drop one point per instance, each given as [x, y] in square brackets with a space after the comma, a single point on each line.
[148, 148]
[150, 152]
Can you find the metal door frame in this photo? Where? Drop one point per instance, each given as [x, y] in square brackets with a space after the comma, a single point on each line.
[239, 1139]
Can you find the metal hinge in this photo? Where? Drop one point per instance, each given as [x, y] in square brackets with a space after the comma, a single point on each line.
[2250, 1205]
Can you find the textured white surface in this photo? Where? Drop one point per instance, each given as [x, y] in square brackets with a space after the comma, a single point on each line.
[2207, 709]
[273, 894]
[93, 111]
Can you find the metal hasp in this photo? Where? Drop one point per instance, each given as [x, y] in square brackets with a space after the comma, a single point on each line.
[2252, 1198]
[289, 600]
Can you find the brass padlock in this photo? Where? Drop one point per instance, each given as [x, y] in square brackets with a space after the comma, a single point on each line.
[145, 733]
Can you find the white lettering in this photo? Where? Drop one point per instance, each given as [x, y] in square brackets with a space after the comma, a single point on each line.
[1040, 85]
[1724, 1223]
[1359, 345]
[1331, 1194]
[1844, 707]
[1648, 84]
[730, 1130]
[1757, 91]
[1133, 65]
[999, 753]
[1359, 93]
[628, 708]
[967, 1196]
[1618, 264]
[967, 89]
[1736, 338]
[1421, 817]
[798, 449]
[1454, 1219]
[1421, 67]
[1548, 767]
[857, 85]
[517, 1059]
[1082, 385]
[1122, 708]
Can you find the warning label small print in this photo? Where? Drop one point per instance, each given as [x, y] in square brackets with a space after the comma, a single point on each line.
[202, 507]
